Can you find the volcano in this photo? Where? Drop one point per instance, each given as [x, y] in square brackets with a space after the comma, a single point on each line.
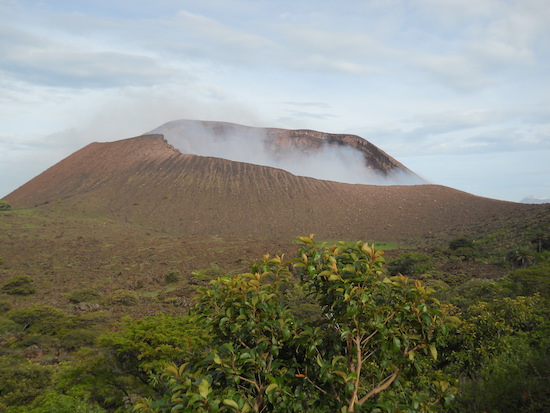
[147, 182]
[335, 157]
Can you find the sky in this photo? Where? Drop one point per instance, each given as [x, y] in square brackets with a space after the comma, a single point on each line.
[456, 90]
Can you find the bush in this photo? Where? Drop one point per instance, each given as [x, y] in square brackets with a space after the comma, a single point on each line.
[461, 243]
[4, 307]
[76, 339]
[21, 381]
[172, 276]
[62, 403]
[4, 205]
[8, 326]
[124, 297]
[84, 295]
[20, 285]
[41, 320]
[410, 264]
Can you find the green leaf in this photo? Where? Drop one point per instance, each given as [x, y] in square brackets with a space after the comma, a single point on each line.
[204, 388]
[397, 342]
[231, 403]
[341, 374]
[217, 359]
[271, 387]
[433, 351]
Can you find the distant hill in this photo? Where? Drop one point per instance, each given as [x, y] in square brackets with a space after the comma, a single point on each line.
[148, 183]
[535, 200]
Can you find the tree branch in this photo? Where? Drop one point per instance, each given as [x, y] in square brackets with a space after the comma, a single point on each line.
[358, 366]
[383, 385]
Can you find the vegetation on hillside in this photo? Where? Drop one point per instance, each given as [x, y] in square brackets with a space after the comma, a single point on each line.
[96, 317]
[334, 328]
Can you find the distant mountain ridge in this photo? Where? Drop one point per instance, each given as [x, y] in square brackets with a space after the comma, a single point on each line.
[531, 199]
[147, 183]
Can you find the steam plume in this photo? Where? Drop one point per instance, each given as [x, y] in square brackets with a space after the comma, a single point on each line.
[256, 146]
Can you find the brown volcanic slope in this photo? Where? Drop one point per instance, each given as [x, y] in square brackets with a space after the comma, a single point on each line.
[148, 183]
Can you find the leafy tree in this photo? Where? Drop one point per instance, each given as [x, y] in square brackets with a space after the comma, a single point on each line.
[542, 241]
[520, 258]
[372, 348]
[382, 328]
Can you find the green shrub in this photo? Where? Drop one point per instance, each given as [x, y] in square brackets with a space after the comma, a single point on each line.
[410, 264]
[41, 320]
[530, 280]
[172, 276]
[20, 285]
[22, 381]
[62, 403]
[76, 339]
[4, 205]
[461, 243]
[124, 297]
[8, 326]
[84, 295]
[4, 307]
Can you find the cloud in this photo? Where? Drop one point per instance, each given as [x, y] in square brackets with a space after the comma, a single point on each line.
[66, 63]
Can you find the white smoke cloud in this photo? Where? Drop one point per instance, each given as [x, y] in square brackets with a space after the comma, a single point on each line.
[253, 145]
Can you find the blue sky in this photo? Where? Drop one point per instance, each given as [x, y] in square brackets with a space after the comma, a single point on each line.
[457, 90]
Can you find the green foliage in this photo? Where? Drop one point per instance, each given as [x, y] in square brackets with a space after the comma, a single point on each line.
[541, 241]
[96, 376]
[124, 297]
[465, 253]
[84, 295]
[535, 279]
[172, 276]
[8, 326]
[4, 307]
[461, 243]
[389, 329]
[410, 264]
[77, 338]
[520, 258]
[4, 205]
[517, 380]
[19, 285]
[302, 306]
[149, 344]
[371, 347]
[21, 381]
[501, 353]
[44, 320]
[62, 403]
